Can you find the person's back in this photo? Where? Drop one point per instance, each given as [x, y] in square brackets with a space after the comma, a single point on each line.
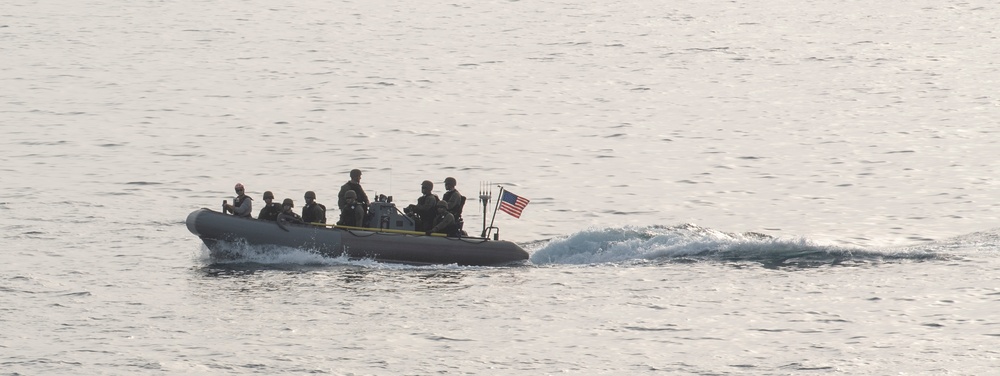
[313, 212]
[271, 209]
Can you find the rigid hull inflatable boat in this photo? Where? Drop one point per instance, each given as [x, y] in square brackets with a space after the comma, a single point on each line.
[388, 239]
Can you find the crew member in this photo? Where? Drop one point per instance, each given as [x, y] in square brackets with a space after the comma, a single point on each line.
[353, 185]
[242, 204]
[352, 214]
[454, 199]
[313, 212]
[287, 214]
[271, 209]
[425, 209]
[444, 222]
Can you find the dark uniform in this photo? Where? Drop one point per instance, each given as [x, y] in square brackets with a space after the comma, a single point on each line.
[444, 222]
[426, 208]
[271, 210]
[455, 202]
[287, 215]
[352, 186]
[313, 212]
[352, 215]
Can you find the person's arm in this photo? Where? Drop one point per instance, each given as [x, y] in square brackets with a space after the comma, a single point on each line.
[362, 196]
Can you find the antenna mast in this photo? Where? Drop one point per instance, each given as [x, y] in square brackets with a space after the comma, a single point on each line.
[485, 194]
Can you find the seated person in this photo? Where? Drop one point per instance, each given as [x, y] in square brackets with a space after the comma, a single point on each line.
[242, 204]
[313, 212]
[353, 212]
[444, 222]
[288, 215]
[425, 209]
[454, 199]
[271, 209]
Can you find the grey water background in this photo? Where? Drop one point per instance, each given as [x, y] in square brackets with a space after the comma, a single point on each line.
[716, 187]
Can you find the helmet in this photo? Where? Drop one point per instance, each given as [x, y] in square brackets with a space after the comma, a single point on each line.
[351, 194]
[427, 183]
[442, 204]
[268, 195]
[288, 202]
[450, 180]
[311, 194]
[239, 186]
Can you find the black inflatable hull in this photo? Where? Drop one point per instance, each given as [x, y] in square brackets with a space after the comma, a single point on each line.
[395, 247]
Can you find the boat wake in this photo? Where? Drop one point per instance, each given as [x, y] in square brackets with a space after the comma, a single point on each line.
[642, 245]
[691, 243]
[240, 254]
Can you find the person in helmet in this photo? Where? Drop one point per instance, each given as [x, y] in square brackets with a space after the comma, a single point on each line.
[351, 214]
[353, 185]
[426, 207]
[288, 215]
[242, 206]
[454, 199]
[271, 209]
[444, 222]
[313, 212]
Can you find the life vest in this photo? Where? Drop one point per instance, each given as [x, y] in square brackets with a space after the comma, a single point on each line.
[238, 202]
[314, 213]
[352, 186]
[457, 210]
[349, 216]
[431, 210]
[270, 212]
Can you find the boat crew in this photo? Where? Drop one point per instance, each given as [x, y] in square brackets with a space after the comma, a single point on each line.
[242, 204]
[271, 209]
[313, 212]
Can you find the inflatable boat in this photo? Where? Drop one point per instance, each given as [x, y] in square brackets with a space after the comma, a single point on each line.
[389, 239]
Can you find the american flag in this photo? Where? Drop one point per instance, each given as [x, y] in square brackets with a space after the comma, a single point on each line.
[512, 204]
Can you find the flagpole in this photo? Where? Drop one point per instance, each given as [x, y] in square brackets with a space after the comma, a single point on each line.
[495, 210]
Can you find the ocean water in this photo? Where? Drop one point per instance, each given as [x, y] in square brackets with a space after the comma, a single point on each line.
[716, 188]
